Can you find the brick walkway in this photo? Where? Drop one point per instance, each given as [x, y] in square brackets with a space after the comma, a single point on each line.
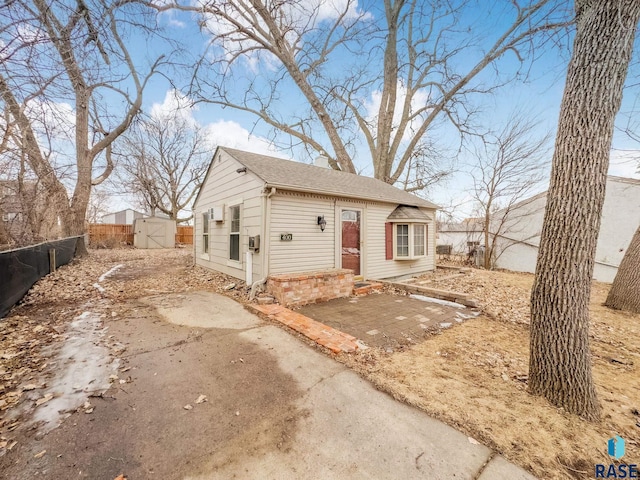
[385, 320]
[329, 337]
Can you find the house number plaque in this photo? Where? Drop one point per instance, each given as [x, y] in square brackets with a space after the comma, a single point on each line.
[286, 237]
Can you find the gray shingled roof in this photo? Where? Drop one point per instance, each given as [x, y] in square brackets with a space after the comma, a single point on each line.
[290, 175]
[404, 212]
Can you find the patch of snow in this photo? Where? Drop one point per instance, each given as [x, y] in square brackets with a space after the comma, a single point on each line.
[445, 325]
[437, 300]
[99, 287]
[110, 272]
[84, 366]
[461, 316]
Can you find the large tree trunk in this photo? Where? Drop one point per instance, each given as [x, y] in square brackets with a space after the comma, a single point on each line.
[560, 356]
[625, 291]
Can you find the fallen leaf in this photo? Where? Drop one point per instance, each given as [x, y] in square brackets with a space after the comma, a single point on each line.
[201, 398]
[40, 455]
[187, 407]
[44, 399]
[120, 477]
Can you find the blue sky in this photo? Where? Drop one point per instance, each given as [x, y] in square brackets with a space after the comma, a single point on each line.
[539, 95]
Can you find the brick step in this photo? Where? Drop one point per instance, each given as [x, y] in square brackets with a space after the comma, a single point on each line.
[367, 289]
[324, 335]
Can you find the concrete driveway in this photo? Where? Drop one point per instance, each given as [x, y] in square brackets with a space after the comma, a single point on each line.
[275, 409]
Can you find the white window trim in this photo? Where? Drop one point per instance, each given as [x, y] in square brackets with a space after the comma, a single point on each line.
[234, 263]
[411, 255]
[202, 254]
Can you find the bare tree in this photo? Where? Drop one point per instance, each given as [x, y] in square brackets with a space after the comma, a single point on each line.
[412, 67]
[99, 205]
[560, 356]
[163, 160]
[69, 51]
[510, 165]
[625, 290]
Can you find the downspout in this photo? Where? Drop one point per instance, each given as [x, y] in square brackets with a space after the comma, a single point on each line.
[265, 254]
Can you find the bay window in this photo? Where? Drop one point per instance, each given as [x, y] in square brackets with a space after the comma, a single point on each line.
[410, 241]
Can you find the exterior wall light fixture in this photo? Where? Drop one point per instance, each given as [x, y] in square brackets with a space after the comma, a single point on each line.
[322, 222]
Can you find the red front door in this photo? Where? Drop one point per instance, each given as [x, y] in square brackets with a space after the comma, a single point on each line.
[351, 240]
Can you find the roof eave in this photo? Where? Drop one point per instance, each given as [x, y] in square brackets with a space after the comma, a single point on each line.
[293, 188]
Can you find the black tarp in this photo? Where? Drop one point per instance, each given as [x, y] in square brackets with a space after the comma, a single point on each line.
[21, 268]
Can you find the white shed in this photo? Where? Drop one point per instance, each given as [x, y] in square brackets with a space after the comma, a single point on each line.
[154, 232]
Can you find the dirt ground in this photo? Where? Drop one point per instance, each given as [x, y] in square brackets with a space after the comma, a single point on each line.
[472, 376]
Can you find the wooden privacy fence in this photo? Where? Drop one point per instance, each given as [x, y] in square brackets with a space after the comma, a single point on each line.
[185, 235]
[108, 234]
[116, 234]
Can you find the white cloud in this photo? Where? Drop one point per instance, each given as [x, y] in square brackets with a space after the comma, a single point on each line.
[227, 133]
[174, 106]
[55, 120]
[418, 101]
[296, 18]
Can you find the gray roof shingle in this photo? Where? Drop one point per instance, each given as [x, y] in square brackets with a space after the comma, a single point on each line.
[403, 212]
[287, 174]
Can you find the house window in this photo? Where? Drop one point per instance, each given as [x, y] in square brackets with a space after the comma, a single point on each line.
[419, 237]
[205, 232]
[402, 240]
[411, 240]
[234, 233]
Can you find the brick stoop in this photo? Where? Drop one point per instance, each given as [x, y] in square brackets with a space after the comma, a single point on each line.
[328, 337]
[367, 289]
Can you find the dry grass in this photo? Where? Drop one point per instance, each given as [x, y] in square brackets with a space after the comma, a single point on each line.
[473, 376]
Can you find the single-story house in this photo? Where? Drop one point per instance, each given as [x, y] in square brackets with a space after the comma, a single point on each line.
[123, 217]
[258, 216]
[461, 237]
[520, 238]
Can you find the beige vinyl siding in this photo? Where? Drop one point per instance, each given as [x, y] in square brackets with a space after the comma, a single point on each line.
[310, 249]
[376, 265]
[225, 186]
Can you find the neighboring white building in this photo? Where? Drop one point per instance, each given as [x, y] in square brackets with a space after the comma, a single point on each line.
[520, 238]
[257, 216]
[462, 237]
[123, 217]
